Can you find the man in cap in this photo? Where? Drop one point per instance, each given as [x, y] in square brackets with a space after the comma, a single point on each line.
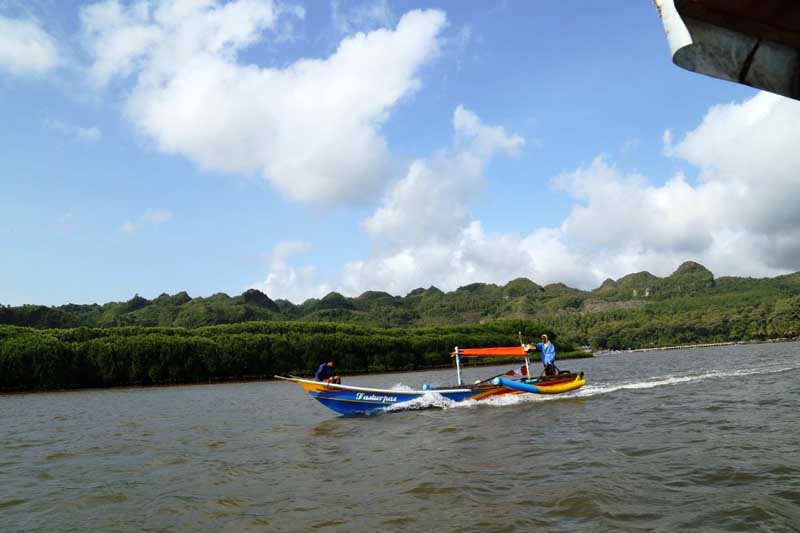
[548, 352]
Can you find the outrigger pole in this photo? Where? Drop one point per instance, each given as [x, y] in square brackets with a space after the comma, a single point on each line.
[458, 367]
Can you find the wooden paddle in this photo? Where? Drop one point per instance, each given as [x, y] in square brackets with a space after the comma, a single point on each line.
[506, 373]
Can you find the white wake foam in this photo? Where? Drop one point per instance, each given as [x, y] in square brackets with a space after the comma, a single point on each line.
[435, 400]
[427, 400]
[660, 381]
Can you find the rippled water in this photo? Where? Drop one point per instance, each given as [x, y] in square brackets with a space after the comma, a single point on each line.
[699, 440]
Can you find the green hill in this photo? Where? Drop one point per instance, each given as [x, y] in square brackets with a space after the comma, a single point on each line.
[640, 297]
[178, 338]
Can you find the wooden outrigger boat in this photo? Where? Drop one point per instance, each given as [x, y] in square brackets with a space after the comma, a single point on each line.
[349, 400]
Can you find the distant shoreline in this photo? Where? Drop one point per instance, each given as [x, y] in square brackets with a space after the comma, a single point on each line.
[470, 364]
[269, 377]
[689, 346]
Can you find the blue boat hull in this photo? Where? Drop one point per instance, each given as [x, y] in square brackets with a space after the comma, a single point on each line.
[351, 400]
[358, 402]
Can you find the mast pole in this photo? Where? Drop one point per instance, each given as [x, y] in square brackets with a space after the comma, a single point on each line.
[527, 359]
[458, 367]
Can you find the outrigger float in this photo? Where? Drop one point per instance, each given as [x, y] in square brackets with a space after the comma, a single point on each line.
[351, 400]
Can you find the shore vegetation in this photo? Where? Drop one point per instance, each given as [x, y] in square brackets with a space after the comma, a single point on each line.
[177, 338]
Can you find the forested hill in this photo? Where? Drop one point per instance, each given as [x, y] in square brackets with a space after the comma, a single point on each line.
[176, 338]
[635, 310]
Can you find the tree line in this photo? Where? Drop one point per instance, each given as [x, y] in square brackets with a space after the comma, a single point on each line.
[180, 339]
[102, 357]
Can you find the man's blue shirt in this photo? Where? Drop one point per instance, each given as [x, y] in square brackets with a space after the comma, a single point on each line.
[324, 372]
[548, 352]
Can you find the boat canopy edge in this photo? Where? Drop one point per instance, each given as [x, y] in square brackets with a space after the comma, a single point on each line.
[501, 351]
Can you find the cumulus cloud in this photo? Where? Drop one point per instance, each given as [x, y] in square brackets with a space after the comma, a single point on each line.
[286, 279]
[668, 217]
[749, 141]
[473, 256]
[25, 48]
[117, 37]
[311, 129]
[429, 203]
[737, 213]
[739, 217]
[423, 231]
[151, 218]
[750, 148]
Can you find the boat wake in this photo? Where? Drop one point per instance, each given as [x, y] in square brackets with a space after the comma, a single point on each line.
[433, 400]
[660, 381]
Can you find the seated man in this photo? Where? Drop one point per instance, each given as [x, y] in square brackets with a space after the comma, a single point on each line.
[325, 373]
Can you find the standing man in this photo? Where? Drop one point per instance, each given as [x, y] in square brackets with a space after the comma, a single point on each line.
[548, 352]
[325, 373]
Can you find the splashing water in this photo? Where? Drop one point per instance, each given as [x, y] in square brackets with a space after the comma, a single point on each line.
[426, 401]
[434, 400]
[594, 390]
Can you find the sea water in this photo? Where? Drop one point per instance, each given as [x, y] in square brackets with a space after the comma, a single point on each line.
[694, 440]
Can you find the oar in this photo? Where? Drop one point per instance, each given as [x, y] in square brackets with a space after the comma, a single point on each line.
[506, 373]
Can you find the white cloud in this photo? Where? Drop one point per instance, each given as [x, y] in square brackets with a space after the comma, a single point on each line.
[624, 212]
[473, 256]
[739, 217]
[423, 232]
[151, 218]
[361, 17]
[429, 203]
[751, 141]
[287, 280]
[750, 148]
[89, 134]
[312, 129]
[117, 37]
[25, 48]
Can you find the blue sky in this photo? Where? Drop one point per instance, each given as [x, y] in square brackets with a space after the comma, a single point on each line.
[304, 147]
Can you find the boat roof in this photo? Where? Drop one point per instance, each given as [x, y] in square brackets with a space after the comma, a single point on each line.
[498, 351]
[775, 20]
